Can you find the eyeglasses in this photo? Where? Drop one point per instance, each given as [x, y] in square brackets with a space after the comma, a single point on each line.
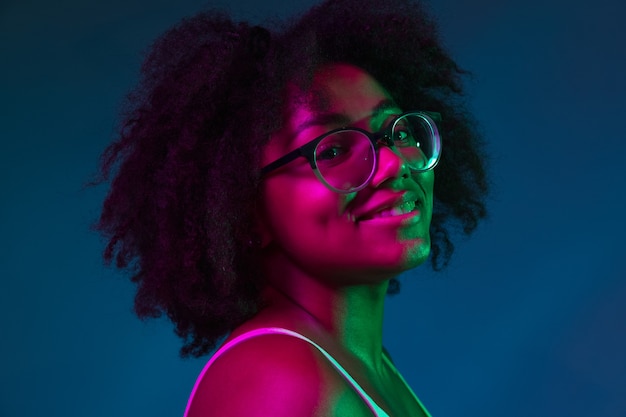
[345, 159]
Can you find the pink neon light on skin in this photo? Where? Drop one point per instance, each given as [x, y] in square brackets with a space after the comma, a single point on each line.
[328, 259]
[315, 226]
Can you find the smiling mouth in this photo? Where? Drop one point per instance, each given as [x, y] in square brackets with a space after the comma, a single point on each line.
[403, 208]
[398, 210]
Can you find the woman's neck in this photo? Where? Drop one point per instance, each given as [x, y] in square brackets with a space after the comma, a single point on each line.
[352, 316]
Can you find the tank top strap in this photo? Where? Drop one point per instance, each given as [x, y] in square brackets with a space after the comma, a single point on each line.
[406, 384]
[376, 409]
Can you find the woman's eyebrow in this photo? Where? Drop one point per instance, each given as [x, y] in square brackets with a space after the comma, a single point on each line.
[384, 107]
[324, 119]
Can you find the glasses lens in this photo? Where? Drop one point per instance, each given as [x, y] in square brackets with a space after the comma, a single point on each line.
[345, 159]
[416, 137]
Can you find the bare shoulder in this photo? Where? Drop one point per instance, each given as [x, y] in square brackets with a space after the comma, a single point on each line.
[274, 375]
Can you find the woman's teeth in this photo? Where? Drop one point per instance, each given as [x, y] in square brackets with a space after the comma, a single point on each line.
[403, 208]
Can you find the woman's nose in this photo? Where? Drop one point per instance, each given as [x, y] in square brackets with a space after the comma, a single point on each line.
[390, 165]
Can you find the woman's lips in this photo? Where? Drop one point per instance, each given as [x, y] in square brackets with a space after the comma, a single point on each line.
[404, 208]
[391, 206]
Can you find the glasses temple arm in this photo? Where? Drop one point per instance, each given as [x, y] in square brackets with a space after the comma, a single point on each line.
[283, 160]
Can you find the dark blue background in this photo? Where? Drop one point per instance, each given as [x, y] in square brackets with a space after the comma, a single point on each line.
[530, 319]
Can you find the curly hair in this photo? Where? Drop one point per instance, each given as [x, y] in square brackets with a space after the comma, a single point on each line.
[184, 170]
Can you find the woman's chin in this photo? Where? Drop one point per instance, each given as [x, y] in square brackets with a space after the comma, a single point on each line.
[416, 253]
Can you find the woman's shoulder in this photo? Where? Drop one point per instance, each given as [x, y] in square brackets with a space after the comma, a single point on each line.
[272, 373]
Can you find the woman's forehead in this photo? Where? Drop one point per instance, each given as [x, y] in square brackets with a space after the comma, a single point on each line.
[341, 89]
[339, 95]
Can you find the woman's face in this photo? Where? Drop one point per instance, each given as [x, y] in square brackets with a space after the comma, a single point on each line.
[346, 238]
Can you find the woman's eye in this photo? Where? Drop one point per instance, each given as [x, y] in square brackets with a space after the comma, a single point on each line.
[330, 152]
[403, 138]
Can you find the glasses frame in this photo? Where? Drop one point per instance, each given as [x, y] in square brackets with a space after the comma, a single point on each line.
[308, 149]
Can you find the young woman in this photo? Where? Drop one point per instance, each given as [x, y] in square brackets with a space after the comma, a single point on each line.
[269, 185]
